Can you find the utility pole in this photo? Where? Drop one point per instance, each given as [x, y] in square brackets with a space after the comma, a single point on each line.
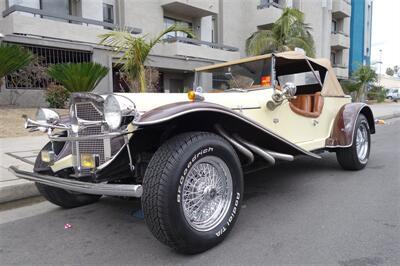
[380, 67]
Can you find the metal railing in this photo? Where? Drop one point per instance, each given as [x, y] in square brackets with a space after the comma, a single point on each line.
[267, 3]
[67, 18]
[199, 42]
[340, 66]
[340, 32]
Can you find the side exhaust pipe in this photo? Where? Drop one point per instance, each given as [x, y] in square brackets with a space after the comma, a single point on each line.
[257, 150]
[248, 154]
[248, 149]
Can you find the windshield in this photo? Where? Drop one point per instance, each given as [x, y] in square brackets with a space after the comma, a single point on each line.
[238, 77]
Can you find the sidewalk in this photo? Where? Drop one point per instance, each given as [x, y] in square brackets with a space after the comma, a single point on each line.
[22, 152]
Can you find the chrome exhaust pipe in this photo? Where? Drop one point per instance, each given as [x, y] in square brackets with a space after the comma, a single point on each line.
[257, 150]
[266, 154]
[248, 154]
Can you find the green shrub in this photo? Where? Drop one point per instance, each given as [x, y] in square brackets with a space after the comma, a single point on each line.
[377, 93]
[57, 96]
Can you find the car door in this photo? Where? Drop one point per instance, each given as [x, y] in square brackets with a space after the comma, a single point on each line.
[299, 119]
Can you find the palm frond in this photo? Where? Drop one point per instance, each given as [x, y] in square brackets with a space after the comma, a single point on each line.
[261, 42]
[12, 58]
[80, 77]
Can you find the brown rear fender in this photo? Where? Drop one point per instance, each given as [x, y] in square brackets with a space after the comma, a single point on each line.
[181, 117]
[344, 125]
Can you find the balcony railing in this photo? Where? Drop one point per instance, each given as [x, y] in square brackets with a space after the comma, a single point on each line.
[267, 3]
[68, 18]
[199, 42]
[340, 32]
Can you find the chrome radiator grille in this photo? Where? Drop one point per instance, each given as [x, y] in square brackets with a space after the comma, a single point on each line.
[88, 111]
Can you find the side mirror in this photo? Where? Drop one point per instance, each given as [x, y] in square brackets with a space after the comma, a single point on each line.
[289, 90]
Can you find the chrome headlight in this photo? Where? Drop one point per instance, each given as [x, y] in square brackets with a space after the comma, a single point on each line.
[116, 107]
[45, 115]
[112, 112]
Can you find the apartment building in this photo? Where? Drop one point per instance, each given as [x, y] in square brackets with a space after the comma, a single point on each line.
[360, 31]
[61, 31]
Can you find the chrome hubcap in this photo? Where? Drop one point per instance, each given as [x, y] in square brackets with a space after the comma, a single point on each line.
[207, 193]
[362, 144]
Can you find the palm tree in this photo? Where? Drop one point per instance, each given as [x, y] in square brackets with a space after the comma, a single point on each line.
[12, 58]
[79, 77]
[288, 32]
[359, 81]
[136, 50]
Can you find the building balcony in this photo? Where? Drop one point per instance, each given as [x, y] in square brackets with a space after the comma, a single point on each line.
[340, 40]
[341, 71]
[191, 8]
[185, 48]
[36, 22]
[341, 9]
[268, 12]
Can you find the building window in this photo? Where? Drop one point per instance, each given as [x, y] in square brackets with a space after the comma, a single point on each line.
[168, 22]
[108, 13]
[26, 3]
[36, 77]
[334, 26]
[333, 58]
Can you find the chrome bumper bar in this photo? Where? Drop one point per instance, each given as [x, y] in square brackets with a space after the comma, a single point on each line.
[79, 186]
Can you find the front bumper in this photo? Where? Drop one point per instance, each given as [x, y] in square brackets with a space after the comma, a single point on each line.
[123, 190]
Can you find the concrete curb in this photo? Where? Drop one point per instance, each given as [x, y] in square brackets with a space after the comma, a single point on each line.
[16, 190]
[386, 117]
[20, 189]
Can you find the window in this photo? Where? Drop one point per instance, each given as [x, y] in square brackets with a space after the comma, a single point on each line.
[301, 79]
[60, 7]
[333, 58]
[334, 26]
[26, 3]
[168, 22]
[108, 13]
[249, 75]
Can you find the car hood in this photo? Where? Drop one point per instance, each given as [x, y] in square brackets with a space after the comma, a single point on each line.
[233, 100]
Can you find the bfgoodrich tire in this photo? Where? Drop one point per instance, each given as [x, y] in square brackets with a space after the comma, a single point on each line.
[356, 156]
[60, 196]
[192, 191]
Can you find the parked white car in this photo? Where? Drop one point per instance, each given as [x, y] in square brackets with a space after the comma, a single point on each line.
[393, 94]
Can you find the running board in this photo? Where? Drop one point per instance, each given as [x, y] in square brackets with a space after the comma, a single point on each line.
[79, 186]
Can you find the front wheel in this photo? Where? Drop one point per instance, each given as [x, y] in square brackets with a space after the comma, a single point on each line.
[356, 156]
[192, 191]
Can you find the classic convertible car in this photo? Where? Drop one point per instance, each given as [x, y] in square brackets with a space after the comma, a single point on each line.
[184, 154]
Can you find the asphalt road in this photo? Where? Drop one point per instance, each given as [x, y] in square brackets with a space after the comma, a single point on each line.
[308, 211]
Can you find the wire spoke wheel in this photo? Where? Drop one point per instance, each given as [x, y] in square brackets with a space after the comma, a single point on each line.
[362, 142]
[207, 193]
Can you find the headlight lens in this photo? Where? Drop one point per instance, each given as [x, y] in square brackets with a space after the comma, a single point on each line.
[112, 112]
[47, 115]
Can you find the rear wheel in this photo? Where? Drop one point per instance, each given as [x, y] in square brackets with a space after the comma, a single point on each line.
[58, 196]
[192, 191]
[356, 156]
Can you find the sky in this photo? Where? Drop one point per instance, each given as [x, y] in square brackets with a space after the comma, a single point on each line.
[386, 32]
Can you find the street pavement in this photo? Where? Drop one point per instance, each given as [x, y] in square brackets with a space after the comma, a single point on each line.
[305, 212]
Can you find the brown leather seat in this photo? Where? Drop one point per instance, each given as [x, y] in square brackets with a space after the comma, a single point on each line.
[309, 105]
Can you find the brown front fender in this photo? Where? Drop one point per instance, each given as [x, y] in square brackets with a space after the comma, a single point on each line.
[345, 122]
[202, 116]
